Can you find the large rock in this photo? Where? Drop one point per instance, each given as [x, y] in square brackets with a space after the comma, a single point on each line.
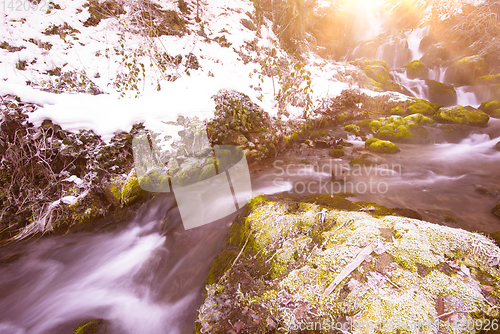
[417, 70]
[383, 146]
[426, 43]
[424, 107]
[292, 263]
[462, 115]
[397, 128]
[465, 71]
[441, 93]
[492, 108]
[436, 55]
[378, 71]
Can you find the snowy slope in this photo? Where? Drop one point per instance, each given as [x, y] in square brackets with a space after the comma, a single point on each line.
[91, 52]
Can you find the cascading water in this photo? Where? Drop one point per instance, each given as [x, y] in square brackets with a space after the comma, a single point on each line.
[466, 97]
[146, 278]
[417, 87]
[414, 38]
[437, 73]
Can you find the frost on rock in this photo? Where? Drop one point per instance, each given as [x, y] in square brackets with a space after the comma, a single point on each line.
[392, 274]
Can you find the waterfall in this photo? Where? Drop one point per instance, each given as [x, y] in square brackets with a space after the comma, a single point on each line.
[466, 97]
[437, 73]
[414, 38]
[417, 87]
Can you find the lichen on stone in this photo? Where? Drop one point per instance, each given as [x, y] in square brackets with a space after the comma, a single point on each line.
[462, 115]
[292, 249]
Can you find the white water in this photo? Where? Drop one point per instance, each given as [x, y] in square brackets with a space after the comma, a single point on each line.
[466, 97]
[414, 38]
[476, 146]
[139, 279]
[437, 73]
[417, 87]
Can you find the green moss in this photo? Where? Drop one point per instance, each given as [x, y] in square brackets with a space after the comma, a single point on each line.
[441, 93]
[383, 146]
[375, 209]
[438, 283]
[462, 115]
[378, 71]
[117, 192]
[398, 111]
[398, 312]
[332, 201]
[419, 119]
[90, 327]
[132, 191]
[299, 246]
[353, 129]
[492, 108]
[362, 162]
[318, 134]
[336, 153]
[86, 210]
[394, 132]
[465, 71]
[154, 181]
[208, 171]
[220, 264]
[370, 141]
[423, 107]
[397, 120]
[488, 80]
[416, 69]
[375, 125]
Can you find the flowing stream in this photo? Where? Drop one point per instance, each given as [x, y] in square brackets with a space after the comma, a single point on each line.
[148, 276]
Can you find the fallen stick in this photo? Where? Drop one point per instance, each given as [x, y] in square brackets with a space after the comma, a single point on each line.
[362, 255]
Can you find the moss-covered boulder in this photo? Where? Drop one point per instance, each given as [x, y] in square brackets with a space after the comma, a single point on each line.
[492, 108]
[441, 93]
[323, 259]
[352, 128]
[383, 146]
[336, 153]
[362, 161]
[398, 111]
[378, 70]
[454, 133]
[465, 71]
[419, 119]
[397, 128]
[370, 141]
[392, 131]
[416, 70]
[462, 115]
[421, 106]
[235, 115]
